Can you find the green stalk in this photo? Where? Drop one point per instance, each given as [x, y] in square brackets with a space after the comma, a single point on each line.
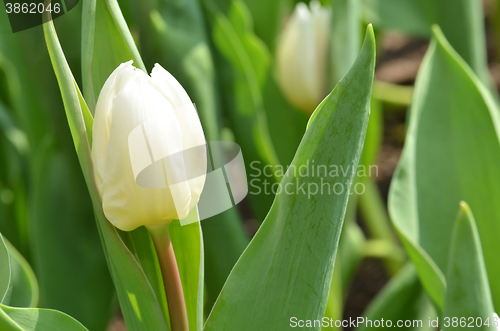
[377, 223]
[171, 277]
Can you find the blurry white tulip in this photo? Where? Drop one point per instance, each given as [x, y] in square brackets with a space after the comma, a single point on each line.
[496, 321]
[148, 149]
[302, 54]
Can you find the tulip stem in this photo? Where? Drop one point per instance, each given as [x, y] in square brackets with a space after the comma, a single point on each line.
[171, 278]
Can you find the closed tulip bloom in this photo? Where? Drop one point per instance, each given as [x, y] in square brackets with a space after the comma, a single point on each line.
[148, 149]
[301, 56]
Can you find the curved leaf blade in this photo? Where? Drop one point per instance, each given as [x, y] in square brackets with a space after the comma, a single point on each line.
[453, 121]
[468, 292]
[287, 268]
[137, 298]
[24, 283]
[32, 319]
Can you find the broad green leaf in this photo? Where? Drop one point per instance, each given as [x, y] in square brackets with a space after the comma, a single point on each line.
[247, 60]
[451, 154]
[462, 22]
[467, 292]
[106, 42]
[32, 319]
[287, 268]
[24, 283]
[402, 299]
[137, 299]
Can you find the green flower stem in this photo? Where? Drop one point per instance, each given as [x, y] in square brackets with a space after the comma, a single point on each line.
[399, 95]
[376, 220]
[171, 278]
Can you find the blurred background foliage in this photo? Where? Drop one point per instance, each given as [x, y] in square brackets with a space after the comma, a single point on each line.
[223, 53]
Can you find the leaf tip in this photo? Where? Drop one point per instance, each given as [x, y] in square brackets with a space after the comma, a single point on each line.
[370, 36]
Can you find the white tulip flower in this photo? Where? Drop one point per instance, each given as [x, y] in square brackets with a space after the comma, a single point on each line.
[302, 55]
[148, 149]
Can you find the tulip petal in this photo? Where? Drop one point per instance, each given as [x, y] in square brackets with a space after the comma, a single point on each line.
[126, 204]
[295, 59]
[301, 55]
[102, 121]
[193, 138]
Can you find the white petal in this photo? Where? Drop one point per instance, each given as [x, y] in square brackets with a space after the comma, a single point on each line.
[295, 59]
[126, 204]
[102, 118]
[193, 138]
[301, 56]
[169, 87]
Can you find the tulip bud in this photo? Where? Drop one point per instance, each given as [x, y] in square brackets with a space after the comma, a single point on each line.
[148, 148]
[301, 56]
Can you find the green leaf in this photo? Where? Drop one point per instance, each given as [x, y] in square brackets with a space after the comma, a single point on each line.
[31, 319]
[468, 292]
[403, 298]
[452, 154]
[106, 42]
[462, 22]
[139, 304]
[24, 283]
[71, 99]
[287, 268]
